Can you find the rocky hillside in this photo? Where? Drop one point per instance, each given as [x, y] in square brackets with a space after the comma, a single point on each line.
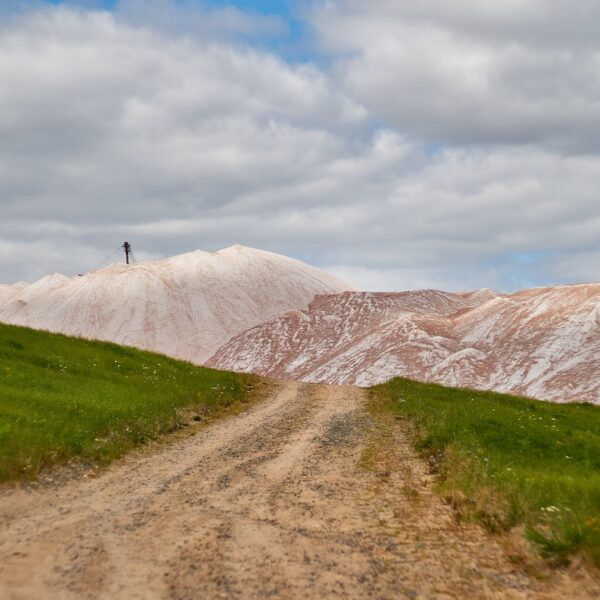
[543, 342]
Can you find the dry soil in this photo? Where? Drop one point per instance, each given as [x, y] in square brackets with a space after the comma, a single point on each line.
[272, 503]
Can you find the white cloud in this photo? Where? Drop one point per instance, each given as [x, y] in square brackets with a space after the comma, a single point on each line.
[110, 130]
[473, 72]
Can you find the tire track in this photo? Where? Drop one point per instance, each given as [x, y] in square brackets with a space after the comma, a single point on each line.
[272, 503]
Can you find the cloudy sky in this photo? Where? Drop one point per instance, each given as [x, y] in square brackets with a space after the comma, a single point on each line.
[442, 143]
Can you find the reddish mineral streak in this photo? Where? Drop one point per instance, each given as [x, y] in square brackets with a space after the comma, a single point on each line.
[543, 342]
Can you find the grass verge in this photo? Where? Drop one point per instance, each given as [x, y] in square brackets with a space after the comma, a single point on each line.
[63, 398]
[506, 461]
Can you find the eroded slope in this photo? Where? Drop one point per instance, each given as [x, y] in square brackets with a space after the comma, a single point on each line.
[543, 342]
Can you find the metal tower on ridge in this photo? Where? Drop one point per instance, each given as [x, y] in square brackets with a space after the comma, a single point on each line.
[127, 247]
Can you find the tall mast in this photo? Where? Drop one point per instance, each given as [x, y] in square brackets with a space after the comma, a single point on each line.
[127, 248]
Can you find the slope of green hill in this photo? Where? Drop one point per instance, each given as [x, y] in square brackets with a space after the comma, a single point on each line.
[506, 461]
[64, 397]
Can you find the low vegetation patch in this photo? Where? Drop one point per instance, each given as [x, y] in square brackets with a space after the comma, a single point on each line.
[64, 397]
[506, 461]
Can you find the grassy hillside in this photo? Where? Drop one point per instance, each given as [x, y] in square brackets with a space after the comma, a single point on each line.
[506, 461]
[63, 397]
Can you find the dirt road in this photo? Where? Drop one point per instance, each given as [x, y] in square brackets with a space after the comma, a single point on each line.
[270, 503]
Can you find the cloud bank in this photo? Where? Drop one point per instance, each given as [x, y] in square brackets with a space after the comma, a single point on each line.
[422, 147]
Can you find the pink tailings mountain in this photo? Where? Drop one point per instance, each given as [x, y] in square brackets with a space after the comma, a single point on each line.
[543, 342]
[248, 310]
[186, 306]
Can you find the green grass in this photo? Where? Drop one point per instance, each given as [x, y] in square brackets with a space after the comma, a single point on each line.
[64, 397]
[506, 461]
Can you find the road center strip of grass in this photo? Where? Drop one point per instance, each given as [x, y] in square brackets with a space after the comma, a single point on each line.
[63, 398]
[506, 461]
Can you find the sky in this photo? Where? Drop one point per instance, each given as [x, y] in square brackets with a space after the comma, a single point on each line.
[450, 144]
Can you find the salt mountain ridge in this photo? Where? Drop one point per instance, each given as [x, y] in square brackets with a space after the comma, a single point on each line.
[542, 342]
[186, 306]
[248, 310]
